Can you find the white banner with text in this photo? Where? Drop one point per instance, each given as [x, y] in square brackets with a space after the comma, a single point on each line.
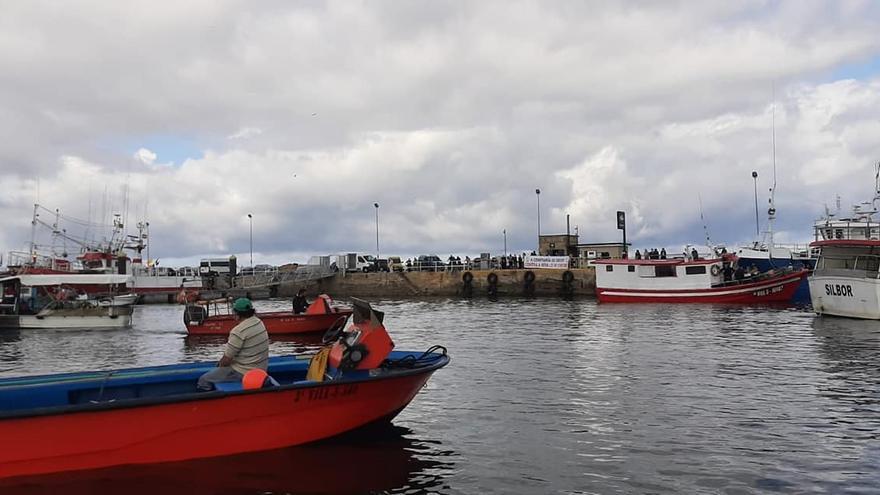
[558, 262]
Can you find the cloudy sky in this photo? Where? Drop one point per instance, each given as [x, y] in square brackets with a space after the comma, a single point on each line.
[192, 114]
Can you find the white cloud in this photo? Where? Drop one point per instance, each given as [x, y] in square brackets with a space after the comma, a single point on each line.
[245, 133]
[145, 156]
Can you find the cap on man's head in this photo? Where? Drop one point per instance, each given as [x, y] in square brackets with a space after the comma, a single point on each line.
[242, 305]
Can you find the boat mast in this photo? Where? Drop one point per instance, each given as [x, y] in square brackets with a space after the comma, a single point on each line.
[771, 211]
[705, 227]
[34, 233]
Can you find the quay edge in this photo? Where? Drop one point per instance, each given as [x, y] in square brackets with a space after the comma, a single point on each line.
[510, 283]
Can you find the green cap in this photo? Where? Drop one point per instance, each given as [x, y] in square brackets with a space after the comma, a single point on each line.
[242, 304]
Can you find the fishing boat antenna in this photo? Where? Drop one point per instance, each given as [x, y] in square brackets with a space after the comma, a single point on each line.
[876, 185]
[771, 210]
[702, 219]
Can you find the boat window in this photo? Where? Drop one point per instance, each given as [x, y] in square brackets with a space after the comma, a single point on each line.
[838, 234]
[609, 268]
[630, 268]
[664, 271]
[695, 270]
[867, 263]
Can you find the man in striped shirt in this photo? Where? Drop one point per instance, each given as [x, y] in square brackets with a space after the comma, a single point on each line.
[247, 348]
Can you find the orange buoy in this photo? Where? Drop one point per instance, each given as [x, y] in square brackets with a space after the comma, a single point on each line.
[254, 379]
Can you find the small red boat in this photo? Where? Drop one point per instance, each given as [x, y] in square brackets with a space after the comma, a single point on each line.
[681, 280]
[77, 421]
[320, 316]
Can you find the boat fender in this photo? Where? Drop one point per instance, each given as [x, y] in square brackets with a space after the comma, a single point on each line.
[467, 277]
[715, 270]
[492, 278]
[529, 277]
[568, 277]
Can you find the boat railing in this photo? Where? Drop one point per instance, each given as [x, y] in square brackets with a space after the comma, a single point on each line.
[845, 229]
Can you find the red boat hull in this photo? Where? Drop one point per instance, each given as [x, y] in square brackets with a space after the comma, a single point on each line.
[277, 323]
[208, 427]
[770, 290]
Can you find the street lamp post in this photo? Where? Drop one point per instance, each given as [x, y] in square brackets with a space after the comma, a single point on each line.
[538, 196]
[757, 224]
[251, 220]
[505, 242]
[377, 232]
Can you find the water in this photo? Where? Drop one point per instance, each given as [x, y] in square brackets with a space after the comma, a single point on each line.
[547, 396]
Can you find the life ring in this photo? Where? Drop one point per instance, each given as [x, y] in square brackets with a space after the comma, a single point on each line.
[492, 278]
[715, 270]
[568, 277]
[529, 277]
[467, 277]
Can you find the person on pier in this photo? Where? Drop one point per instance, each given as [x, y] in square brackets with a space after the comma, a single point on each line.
[246, 349]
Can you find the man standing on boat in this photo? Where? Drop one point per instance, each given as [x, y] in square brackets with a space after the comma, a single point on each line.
[247, 348]
[300, 304]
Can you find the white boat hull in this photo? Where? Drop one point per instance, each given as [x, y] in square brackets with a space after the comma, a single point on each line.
[853, 297]
[94, 317]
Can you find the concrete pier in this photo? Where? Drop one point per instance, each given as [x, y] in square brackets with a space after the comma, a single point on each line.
[476, 283]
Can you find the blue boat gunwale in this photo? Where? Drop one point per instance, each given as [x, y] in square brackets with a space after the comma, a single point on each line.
[438, 360]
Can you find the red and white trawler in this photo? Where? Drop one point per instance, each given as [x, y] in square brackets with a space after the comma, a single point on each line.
[687, 280]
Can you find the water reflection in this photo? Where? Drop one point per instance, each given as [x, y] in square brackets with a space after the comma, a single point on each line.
[384, 459]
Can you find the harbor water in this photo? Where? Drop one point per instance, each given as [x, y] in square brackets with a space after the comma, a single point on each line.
[543, 396]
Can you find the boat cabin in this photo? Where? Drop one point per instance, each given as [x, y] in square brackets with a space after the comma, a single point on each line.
[859, 258]
[672, 273]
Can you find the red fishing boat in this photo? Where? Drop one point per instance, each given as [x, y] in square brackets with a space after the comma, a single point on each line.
[686, 280]
[216, 318]
[77, 421]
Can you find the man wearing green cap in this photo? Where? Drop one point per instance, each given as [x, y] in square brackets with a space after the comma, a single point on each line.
[247, 348]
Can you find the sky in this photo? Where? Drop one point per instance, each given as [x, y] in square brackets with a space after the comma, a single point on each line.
[190, 115]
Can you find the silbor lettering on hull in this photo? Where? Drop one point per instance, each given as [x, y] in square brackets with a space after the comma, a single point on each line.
[844, 290]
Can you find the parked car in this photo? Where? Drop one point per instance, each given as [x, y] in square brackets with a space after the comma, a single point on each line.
[395, 263]
[429, 262]
[379, 265]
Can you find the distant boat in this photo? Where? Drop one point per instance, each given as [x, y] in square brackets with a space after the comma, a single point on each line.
[765, 254]
[686, 280]
[53, 302]
[321, 316]
[107, 257]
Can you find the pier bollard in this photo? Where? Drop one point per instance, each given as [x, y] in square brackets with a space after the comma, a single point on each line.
[467, 287]
[567, 287]
[529, 283]
[492, 289]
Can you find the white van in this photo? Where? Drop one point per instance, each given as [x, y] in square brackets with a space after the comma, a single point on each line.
[216, 266]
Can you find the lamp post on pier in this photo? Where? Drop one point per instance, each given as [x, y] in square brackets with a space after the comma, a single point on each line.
[377, 234]
[505, 242]
[251, 220]
[757, 224]
[538, 196]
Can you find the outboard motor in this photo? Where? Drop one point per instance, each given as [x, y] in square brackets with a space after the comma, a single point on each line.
[365, 344]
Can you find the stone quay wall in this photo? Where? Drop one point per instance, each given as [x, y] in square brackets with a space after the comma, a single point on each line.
[507, 283]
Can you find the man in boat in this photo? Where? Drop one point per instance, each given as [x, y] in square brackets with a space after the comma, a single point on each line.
[246, 349]
[300, 304]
